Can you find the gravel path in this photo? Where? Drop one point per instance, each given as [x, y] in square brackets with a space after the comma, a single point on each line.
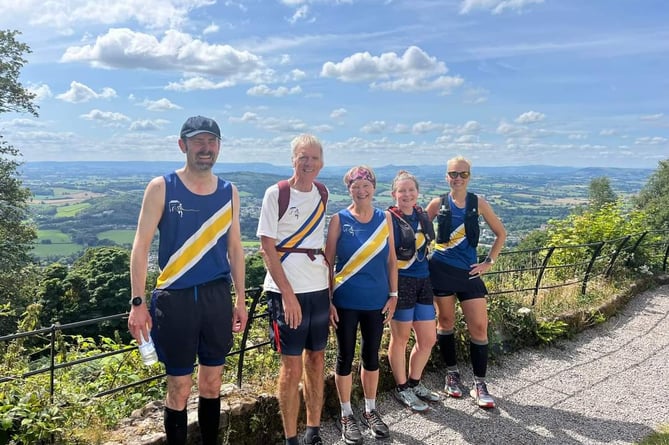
[609, 385]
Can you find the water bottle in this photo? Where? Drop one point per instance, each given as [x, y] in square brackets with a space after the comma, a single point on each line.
[147, 350]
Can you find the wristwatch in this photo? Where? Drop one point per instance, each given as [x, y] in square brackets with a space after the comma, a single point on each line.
[137, 301]
[489, 260]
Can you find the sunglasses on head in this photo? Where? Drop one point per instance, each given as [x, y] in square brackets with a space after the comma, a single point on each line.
[463, 175]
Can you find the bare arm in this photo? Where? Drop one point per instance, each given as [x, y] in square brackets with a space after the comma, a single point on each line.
[330, 255]
[237, 265]
[389, 307]
[432, 208]
[291, 307]
[153, 202]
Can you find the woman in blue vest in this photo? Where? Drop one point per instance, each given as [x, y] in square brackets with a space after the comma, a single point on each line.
[360, 245]
[456, 272]
[415, 308]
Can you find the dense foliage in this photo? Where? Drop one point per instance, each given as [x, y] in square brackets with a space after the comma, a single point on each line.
[17, 235]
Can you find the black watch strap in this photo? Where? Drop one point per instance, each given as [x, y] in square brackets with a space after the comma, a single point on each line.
[137, 301]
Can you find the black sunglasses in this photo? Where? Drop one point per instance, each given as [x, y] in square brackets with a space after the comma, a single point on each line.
[463, 175]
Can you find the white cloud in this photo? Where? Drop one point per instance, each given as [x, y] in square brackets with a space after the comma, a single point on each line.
[79, 93]
[160, 105]
[652, 117]
[65, 14]
[198, 83]
[211, 29]
[650, 140]
[414, 70]
[496, 6]
[470, 127]
[608, 132]
[425, 127]
[300, 14]
[41, 91]
[26, 123]
[108, 118]
[374, 127]
[264, 90]
[339, 113]
[148, 125]
[177, 51]
[530, 117]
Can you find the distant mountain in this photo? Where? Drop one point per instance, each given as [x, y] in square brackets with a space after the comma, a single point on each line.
[385, 173]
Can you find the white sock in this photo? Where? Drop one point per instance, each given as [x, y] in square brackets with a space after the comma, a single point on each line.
[346, 409]
[370, 405]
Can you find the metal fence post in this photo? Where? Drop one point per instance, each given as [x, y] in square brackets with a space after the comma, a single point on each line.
[541, 273]
[52, 367]
[595, 254]
[245, 335]
[614, 257]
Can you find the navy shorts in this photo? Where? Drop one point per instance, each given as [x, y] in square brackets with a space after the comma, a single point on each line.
[190, 323]
[448, 280]
[311, 334]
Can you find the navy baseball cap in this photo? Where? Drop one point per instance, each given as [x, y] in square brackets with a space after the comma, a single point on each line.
[199, 124]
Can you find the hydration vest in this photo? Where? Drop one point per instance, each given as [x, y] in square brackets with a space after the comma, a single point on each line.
[444, 220]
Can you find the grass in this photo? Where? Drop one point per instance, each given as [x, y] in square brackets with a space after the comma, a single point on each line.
[121, 237]
[660, 437]
[55, 236]
[68, 211]
[56, 250]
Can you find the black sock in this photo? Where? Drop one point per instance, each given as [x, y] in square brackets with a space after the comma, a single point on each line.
[413, 382]
[479, 353]
[209, 418]
[292, 441]
[176, 426]
[310, 433]
[447, 347]
[402, 387]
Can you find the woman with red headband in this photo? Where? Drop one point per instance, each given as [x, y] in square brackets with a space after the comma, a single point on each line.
[361, 246]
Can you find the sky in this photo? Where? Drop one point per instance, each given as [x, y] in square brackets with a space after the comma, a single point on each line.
[579, 83]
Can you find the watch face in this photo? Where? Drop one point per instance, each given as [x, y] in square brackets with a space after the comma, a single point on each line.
[136, 301]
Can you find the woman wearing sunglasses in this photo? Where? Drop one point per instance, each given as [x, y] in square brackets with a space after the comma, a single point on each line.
[456, 272]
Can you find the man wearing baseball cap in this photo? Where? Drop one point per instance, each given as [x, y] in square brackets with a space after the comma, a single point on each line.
[190, 314]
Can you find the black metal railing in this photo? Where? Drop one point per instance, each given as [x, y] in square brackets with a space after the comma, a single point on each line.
[516, 271]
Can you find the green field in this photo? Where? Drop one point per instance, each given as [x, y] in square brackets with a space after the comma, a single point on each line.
[250, 243]
[56, 250]
[121, 237]
[55, 236]
[68, 211]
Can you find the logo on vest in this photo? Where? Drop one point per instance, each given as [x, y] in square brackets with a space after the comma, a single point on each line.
[176, 207]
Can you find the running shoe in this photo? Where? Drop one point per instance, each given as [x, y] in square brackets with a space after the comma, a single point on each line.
[421, 391]
[350, 431]
[377, 426]
[480, 393]
[453, 387]
[408, 398]
[315, 440]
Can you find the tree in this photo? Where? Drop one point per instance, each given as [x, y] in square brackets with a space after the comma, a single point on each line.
[653, 198]
[601, 193]
[17, 236]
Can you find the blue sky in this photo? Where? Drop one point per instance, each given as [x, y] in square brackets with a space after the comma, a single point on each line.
[502, 82]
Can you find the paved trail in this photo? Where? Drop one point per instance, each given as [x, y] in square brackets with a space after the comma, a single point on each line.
[610, 385]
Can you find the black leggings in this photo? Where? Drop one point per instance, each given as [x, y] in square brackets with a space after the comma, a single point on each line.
[371, 330]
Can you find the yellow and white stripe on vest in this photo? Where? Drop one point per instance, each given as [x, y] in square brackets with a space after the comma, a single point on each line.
[420, 242]
[457, 236]
[304, 231]
[374, 244]
[196, 246]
